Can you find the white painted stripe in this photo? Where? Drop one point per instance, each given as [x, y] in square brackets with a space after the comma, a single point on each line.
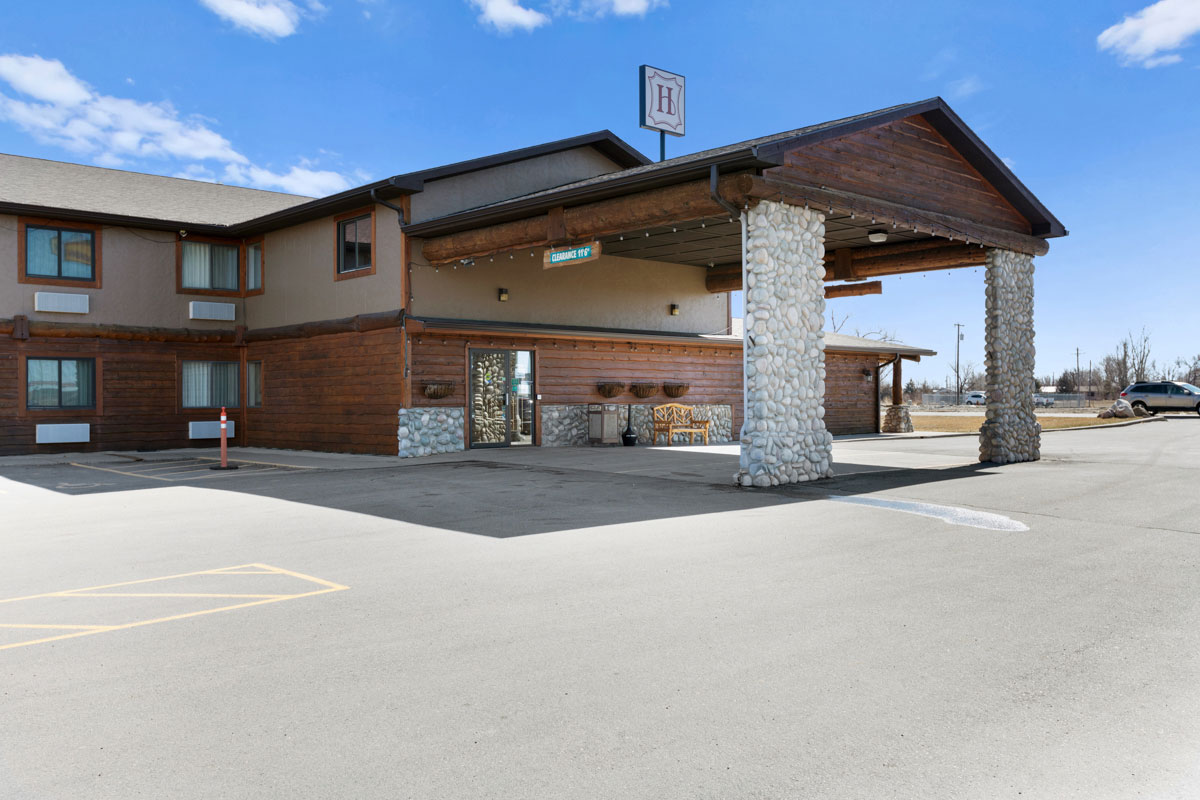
[951, 515]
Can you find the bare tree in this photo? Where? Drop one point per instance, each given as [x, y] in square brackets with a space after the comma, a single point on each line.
[969, 377]
[880, 335]
[1138, 349]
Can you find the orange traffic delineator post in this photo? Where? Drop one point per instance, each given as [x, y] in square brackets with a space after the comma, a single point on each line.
[224, 445]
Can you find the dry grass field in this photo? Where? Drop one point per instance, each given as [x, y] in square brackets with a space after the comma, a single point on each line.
[944, 423]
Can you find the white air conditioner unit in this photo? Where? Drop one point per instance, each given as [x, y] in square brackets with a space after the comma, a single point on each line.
[209, 430]
[198, 309]
[60, 302]
[63, 433]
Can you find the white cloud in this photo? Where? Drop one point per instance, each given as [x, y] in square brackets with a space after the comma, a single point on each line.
[1147, 38]
[594, 9]
[271, 19]
[507, 15]
[963, 88]
[61, 110]
[297, 180]
[43, 80]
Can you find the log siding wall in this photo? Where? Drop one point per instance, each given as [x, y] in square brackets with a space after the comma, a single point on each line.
[567, 371]
[137, 395]
[851, 397]
[338, 393]
[341, 392]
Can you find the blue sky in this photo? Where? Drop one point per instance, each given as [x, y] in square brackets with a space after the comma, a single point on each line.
[1094, 103]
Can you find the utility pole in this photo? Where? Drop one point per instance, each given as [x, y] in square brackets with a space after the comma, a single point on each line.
[957, 375]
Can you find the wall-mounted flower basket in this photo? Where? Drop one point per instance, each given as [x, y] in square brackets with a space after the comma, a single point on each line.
[436, 391]
[644, 390]
[610, 389]
[676, 389]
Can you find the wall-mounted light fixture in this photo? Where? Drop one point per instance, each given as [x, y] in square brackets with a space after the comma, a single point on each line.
[674, 309]
[877, 237]
[502, 295]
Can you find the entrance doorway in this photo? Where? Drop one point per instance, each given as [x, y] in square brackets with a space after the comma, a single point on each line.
[501, 401]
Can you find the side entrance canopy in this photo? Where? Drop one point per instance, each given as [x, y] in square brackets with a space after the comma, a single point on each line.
[796, 218]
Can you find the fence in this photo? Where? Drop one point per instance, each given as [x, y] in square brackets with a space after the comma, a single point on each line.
[1040, 400]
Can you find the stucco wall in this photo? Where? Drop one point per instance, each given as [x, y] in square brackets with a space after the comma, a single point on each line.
[300, 271]
[609, 292]
[474, 189]
[137, 283]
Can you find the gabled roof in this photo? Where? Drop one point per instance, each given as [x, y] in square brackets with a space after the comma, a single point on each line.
[760, 153]
[40, 187]
[842, 343]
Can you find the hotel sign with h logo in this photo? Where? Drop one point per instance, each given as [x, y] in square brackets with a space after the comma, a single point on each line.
[662, 96]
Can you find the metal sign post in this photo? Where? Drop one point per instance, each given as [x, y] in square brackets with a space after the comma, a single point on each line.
[662, 102]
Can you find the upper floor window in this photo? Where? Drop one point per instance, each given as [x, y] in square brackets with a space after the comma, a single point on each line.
[60, 383]
[354, 243]
[58, 252]
[254, 266]
[209, 266]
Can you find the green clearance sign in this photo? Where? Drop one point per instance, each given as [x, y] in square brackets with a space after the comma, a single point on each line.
[571, 255]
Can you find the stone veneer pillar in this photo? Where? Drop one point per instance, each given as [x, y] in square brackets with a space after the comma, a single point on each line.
[1011, 432]
[783, 436]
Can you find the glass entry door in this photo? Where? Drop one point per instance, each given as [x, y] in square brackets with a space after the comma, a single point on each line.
[501, 402]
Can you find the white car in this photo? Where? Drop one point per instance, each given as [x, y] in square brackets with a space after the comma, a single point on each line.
[976, 399]
[1043, 401]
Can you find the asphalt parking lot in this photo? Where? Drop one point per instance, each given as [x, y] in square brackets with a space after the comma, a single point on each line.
[601, 623]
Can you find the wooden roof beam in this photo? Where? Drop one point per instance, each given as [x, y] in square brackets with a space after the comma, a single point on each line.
[899, 259]
[682, 202]
[853, 289]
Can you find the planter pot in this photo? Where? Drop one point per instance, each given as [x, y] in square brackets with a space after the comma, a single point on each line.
[676, 389]
[644, 390]
[608, 389]
[436, 391]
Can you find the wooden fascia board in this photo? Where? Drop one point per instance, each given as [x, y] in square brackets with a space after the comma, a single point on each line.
[939, 224]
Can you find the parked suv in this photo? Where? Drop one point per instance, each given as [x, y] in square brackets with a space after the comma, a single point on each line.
[976, 399]
[1163, 396]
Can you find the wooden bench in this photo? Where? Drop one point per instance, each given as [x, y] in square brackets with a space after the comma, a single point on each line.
[674, 418]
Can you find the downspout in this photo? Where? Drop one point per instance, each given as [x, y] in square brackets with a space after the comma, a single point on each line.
[402, 222]
[713, 177]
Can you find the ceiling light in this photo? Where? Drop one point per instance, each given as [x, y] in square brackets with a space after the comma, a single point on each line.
[877, 237]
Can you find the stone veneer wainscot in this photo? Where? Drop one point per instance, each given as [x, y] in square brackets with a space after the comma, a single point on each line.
[430, 431]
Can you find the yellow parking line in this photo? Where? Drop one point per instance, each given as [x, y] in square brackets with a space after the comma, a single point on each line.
[162, 594]
[139, 624]
[263, 463]
[63, 627]
[120, 472]
[334, 586]
[87, 630]
[174, 465]
[246, 572]
[125, 583]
